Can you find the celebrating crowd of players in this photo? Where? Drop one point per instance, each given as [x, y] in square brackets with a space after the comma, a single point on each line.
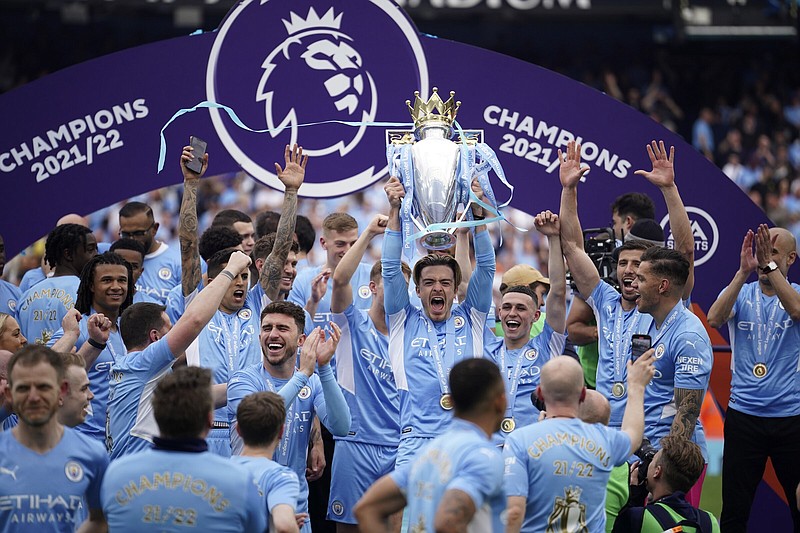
[189, 389]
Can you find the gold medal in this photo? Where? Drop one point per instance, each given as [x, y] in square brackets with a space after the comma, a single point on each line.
[446, 401]
[618, 390]
[508, 425]
[760, 370]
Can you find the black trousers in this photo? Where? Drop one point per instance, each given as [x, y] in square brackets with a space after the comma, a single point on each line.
[749, 440]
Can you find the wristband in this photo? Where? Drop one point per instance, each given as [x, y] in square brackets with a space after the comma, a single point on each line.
[96, 344]
[478, 217]
[228, 274]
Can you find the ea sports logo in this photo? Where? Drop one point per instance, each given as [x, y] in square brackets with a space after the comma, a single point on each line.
[704, 231]
[300, 68]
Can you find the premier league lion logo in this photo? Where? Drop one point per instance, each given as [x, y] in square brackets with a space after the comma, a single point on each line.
[317, 52]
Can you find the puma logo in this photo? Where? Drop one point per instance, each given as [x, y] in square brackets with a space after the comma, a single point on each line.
[12, 473]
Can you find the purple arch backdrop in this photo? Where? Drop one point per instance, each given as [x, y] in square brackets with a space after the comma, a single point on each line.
[94, 127]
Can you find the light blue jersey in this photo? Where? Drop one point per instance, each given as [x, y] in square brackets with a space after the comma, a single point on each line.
[305, 397]
[561, 466]
[31, 278]
[131, 425]
[277, 485]
[301, 292]
[99, 376]
[159, 490]
[41, 308]
[521, 369]
[365, 376]
[614, 329]
[176, 303]
[766, 355]
[9, 294]
[420, 372]
[162, 271]
[45, 492]
[683, 360]
[227, 344]
[461, 459]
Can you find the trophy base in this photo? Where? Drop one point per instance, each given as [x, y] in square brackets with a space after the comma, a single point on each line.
[438, 240]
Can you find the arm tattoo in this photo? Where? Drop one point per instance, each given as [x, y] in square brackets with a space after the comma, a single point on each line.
[687, 402]
[187, 234]
[456, 509]
[272, 270]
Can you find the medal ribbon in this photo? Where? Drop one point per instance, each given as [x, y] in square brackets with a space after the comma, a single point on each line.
[622, 343]
[512, 393]
[283, 449]
[761, 346]
[449, 354]
[231, 339]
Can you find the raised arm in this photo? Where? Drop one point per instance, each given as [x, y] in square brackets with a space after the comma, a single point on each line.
[204, 305]
[580, 265]
[342, 292]
[463, 260]
[479, 290]
[547, 224]
[640, 373]
[663, 177]
[187, 224]
[395, 288]
[581, 325]
[722, 310]
[333, 411]
[292, 176]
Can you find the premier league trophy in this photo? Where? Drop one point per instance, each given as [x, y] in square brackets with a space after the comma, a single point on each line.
[437, 165]
[427, 162]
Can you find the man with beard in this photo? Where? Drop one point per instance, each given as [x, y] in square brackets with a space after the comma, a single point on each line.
[763, 416]
[162, 266]
[306, 393]
[616, 312]
[34, 498]
[424, 344]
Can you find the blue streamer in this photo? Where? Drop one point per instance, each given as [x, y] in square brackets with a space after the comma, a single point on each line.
[236, 120]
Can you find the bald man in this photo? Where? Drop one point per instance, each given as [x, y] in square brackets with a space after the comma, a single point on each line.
[595, 409]
[763, 417]
[557, 470]
[73, 218]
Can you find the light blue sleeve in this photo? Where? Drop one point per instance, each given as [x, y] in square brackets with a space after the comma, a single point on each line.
[100, 462]
[292, 388]
[515, 474]
[479, 476]
[331, 407]
[395, 288]
[239, 386]
[479, 291]
[693, 361]
[256, 514]
[283, 489]
[620, 445]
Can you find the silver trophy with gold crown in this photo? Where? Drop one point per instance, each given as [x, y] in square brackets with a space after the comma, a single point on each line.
[428, 161]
